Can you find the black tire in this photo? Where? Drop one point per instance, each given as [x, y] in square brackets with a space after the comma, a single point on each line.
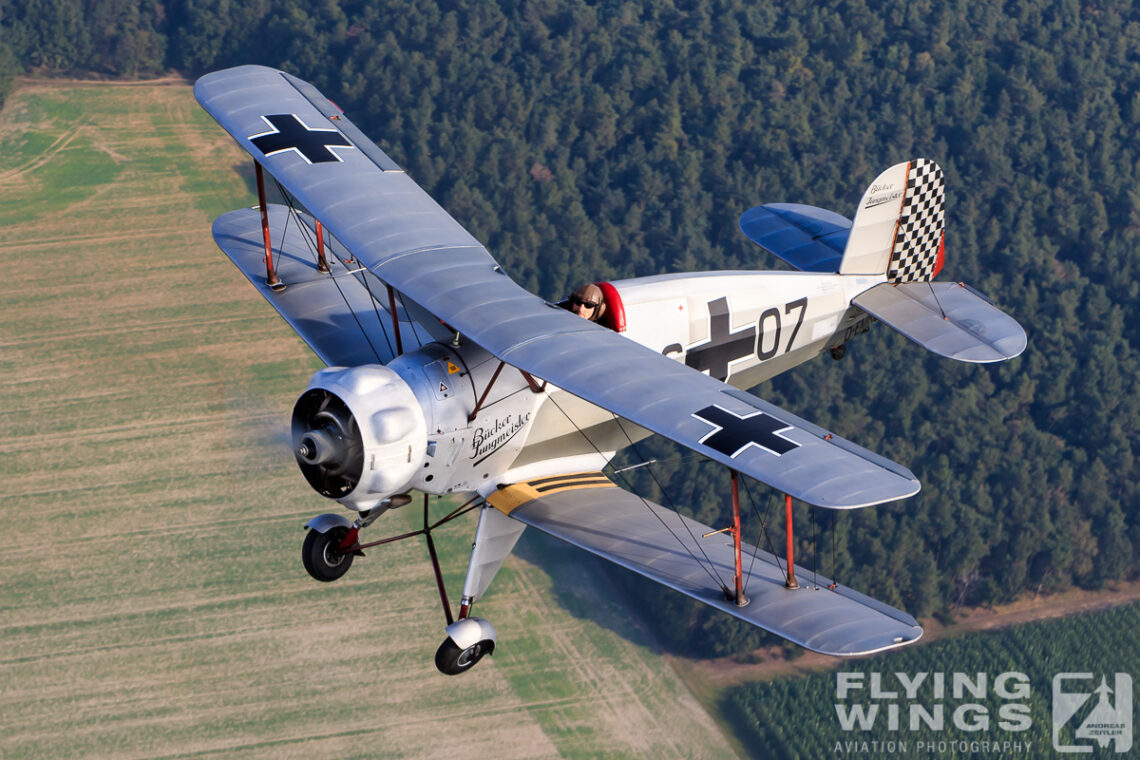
[451, 660]
[320, 556]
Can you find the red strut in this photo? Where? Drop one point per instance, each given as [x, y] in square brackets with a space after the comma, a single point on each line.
[791, 580]
[395, 320]
[740, 599]
[322, 262]
[271, 278]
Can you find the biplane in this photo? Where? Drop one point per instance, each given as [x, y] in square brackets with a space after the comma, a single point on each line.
[445, 377]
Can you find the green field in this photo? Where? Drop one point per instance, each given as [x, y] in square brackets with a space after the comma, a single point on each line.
[153, 602]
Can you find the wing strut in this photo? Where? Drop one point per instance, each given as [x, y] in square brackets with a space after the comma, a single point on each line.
[741, 600]
[395, 320]
[791, 581]
[482, 398]
[322, 262]
[534, 385]
[271, 278]
[737, 597]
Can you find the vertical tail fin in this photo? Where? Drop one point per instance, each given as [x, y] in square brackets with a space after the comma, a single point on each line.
[900, 229]
[899, 226]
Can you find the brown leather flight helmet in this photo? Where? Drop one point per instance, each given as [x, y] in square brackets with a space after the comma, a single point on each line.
[589, 295]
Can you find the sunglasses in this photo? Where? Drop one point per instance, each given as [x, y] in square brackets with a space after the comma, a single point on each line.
[587, 304]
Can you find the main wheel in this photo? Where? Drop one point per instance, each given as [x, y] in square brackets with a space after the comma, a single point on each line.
[451, 660]
[320, 556]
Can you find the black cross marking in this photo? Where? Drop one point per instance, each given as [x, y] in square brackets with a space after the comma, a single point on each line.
[290, 133]
[734, 434]
[723, 346]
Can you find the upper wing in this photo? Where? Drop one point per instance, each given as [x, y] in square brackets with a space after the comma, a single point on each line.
[587, 511]
[411, 243]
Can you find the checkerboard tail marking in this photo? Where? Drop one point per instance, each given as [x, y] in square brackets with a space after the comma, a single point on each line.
[920, 235]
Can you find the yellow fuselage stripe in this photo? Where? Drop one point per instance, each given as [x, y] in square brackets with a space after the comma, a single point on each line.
[511, 497]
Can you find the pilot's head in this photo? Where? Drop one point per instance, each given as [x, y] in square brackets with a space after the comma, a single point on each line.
[587, 302]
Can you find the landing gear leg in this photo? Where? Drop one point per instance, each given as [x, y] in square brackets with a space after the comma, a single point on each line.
[469, 638]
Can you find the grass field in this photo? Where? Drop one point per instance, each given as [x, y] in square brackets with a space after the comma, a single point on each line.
[153, 602]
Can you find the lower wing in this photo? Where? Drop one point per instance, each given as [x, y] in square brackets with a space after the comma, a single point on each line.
[590, 512]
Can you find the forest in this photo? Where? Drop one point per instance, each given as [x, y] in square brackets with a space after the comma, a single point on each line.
[1007, 693]
[602, 140]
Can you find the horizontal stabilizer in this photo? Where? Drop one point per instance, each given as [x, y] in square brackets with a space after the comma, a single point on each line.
[658, 543]
[948, 318]
[810, 239]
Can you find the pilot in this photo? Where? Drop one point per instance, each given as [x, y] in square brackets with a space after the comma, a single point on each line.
[587, 302]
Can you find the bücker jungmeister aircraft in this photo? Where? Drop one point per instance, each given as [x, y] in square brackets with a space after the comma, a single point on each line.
[445, 377]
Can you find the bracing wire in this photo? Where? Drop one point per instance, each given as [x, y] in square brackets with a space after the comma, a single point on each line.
[629, 488]
[764, 525]
[305, 233]
[376, 309]
[411, 322]
[669, 502]
[672, 461]
[814, 551]
[930, 284]
[284, 231]
[763, 532]
[637, 466]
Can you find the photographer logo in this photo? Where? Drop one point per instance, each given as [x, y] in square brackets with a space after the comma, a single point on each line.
[1102, 714]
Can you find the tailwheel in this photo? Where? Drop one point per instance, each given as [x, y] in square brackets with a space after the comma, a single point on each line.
[320, 554]
[467, 641]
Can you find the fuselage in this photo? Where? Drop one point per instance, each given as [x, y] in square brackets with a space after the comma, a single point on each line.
[740, 327]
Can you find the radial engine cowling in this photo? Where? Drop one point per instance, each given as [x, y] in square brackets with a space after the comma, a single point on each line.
[359, 434]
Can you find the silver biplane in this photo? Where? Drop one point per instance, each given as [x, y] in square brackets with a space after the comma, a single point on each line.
[445, 377]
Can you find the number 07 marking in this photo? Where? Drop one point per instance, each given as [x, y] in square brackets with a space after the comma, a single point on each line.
[801, 304]
[774, 314]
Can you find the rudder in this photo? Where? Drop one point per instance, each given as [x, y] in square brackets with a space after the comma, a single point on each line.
[900, 225]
